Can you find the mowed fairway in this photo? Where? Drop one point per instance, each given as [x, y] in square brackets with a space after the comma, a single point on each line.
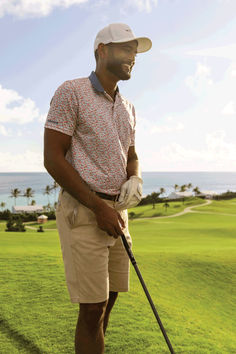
[187, 262]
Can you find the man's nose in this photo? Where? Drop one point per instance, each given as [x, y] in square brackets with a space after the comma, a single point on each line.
[131, 57]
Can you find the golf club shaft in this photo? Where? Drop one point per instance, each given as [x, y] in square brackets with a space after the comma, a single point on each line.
[133, 261]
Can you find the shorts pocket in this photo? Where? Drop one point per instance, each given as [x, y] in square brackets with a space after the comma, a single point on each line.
[75, 213]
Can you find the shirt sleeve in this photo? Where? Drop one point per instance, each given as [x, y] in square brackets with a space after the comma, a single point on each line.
[132, 142]
[63, 112]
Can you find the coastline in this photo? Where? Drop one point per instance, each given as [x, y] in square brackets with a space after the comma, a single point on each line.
[218, 182]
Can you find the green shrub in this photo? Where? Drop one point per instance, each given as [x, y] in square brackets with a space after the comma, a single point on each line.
[15, 224]
[225, 196]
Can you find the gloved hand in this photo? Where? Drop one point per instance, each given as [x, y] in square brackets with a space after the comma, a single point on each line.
[130, 193]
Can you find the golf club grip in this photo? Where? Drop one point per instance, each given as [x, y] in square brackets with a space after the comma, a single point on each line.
[128, 250]
[133, 261]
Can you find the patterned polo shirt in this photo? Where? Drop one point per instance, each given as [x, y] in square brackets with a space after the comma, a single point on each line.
[102, 131]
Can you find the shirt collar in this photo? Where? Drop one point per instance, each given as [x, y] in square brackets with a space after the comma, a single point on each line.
[97, 84]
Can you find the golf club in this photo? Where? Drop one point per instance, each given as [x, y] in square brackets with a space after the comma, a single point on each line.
[133, 261]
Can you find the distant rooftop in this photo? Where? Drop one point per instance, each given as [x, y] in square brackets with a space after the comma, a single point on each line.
[178, 195]
[27, 209]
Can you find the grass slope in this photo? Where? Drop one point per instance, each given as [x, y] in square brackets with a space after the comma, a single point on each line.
[145, 211]
[50, 224]
[187, 262]
[223, 206]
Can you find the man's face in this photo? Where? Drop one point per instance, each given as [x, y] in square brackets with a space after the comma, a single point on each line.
[121, 59]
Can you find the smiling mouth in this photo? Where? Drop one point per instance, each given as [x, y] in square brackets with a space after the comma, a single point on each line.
[127, 67]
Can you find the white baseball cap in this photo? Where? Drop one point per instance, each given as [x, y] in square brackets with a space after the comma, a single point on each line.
[120, 33]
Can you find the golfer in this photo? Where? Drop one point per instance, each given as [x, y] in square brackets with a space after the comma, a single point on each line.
[89, 149]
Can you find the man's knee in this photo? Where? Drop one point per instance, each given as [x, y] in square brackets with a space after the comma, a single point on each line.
[92, 314]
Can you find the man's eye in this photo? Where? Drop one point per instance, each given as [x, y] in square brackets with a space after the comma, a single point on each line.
[128, 50]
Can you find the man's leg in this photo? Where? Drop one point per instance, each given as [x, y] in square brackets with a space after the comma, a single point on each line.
[89, 336]
[112, 298]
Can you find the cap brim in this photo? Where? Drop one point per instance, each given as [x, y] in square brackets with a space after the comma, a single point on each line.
[144, 43]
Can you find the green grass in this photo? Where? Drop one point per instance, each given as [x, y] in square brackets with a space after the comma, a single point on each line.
[50, 224]
[223, 206]
[2, 225]
[145, 211]
[187, 262]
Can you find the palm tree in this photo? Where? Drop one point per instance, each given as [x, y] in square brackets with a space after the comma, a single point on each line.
[33, 202]
[166, 205]
[196, 190]
[183, 188]
[162, 190]
[2, 205]
[154, 199]
[47, 208]
[47, 191]
[54, 187]
[189, 186]
[29, 193]
[176, 187]
[15, 193]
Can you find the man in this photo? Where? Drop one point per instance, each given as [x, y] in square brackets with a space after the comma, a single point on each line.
[89, 150]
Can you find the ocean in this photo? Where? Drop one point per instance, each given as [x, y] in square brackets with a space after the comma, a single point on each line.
[152, 182]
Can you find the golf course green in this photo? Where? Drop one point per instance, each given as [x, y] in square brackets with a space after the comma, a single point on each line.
[187, 262]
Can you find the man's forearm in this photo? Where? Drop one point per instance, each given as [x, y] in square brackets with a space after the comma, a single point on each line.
[69, 179]
[133, 168]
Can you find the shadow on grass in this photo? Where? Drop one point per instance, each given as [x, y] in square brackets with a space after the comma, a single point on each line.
[21, 342]
[157, 214]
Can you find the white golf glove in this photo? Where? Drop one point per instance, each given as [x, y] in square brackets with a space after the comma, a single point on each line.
[130, 193]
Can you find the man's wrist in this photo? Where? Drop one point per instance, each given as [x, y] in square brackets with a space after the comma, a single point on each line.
[97, 204]
[136, 177]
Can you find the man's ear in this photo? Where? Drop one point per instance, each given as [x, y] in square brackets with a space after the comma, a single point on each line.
[102, 50]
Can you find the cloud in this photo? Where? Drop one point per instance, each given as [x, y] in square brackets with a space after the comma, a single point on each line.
[141, 5]
[228, 52]
[233, 69]
[229, 109]
[201, 80]
[147, 127]
[42, 118]
[218, 149]
[166, 128]
[4, 131]
[19, 133]
[15, 108]
[35, 8]
[217, 154]
[28, 161]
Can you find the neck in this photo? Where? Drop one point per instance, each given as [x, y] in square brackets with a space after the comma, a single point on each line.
[107, 80]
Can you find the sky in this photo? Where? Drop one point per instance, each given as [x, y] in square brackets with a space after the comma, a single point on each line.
[183, 89]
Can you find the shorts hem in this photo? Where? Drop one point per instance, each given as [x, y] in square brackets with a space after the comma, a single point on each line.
[120, 290]
[76, 300]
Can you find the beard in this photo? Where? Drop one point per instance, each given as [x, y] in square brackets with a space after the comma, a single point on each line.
[119, 69]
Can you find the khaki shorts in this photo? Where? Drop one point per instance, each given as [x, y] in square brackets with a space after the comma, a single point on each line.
[95, 263]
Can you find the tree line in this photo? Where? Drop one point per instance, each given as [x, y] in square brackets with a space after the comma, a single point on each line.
[149, 199]
[29, 194]
[154, 197]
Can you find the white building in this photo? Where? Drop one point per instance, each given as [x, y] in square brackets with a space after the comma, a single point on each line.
[180, 195]
[27, 209]
[207, 194]
[42, 219]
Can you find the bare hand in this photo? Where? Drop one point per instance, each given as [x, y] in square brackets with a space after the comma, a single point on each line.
[109, 220]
